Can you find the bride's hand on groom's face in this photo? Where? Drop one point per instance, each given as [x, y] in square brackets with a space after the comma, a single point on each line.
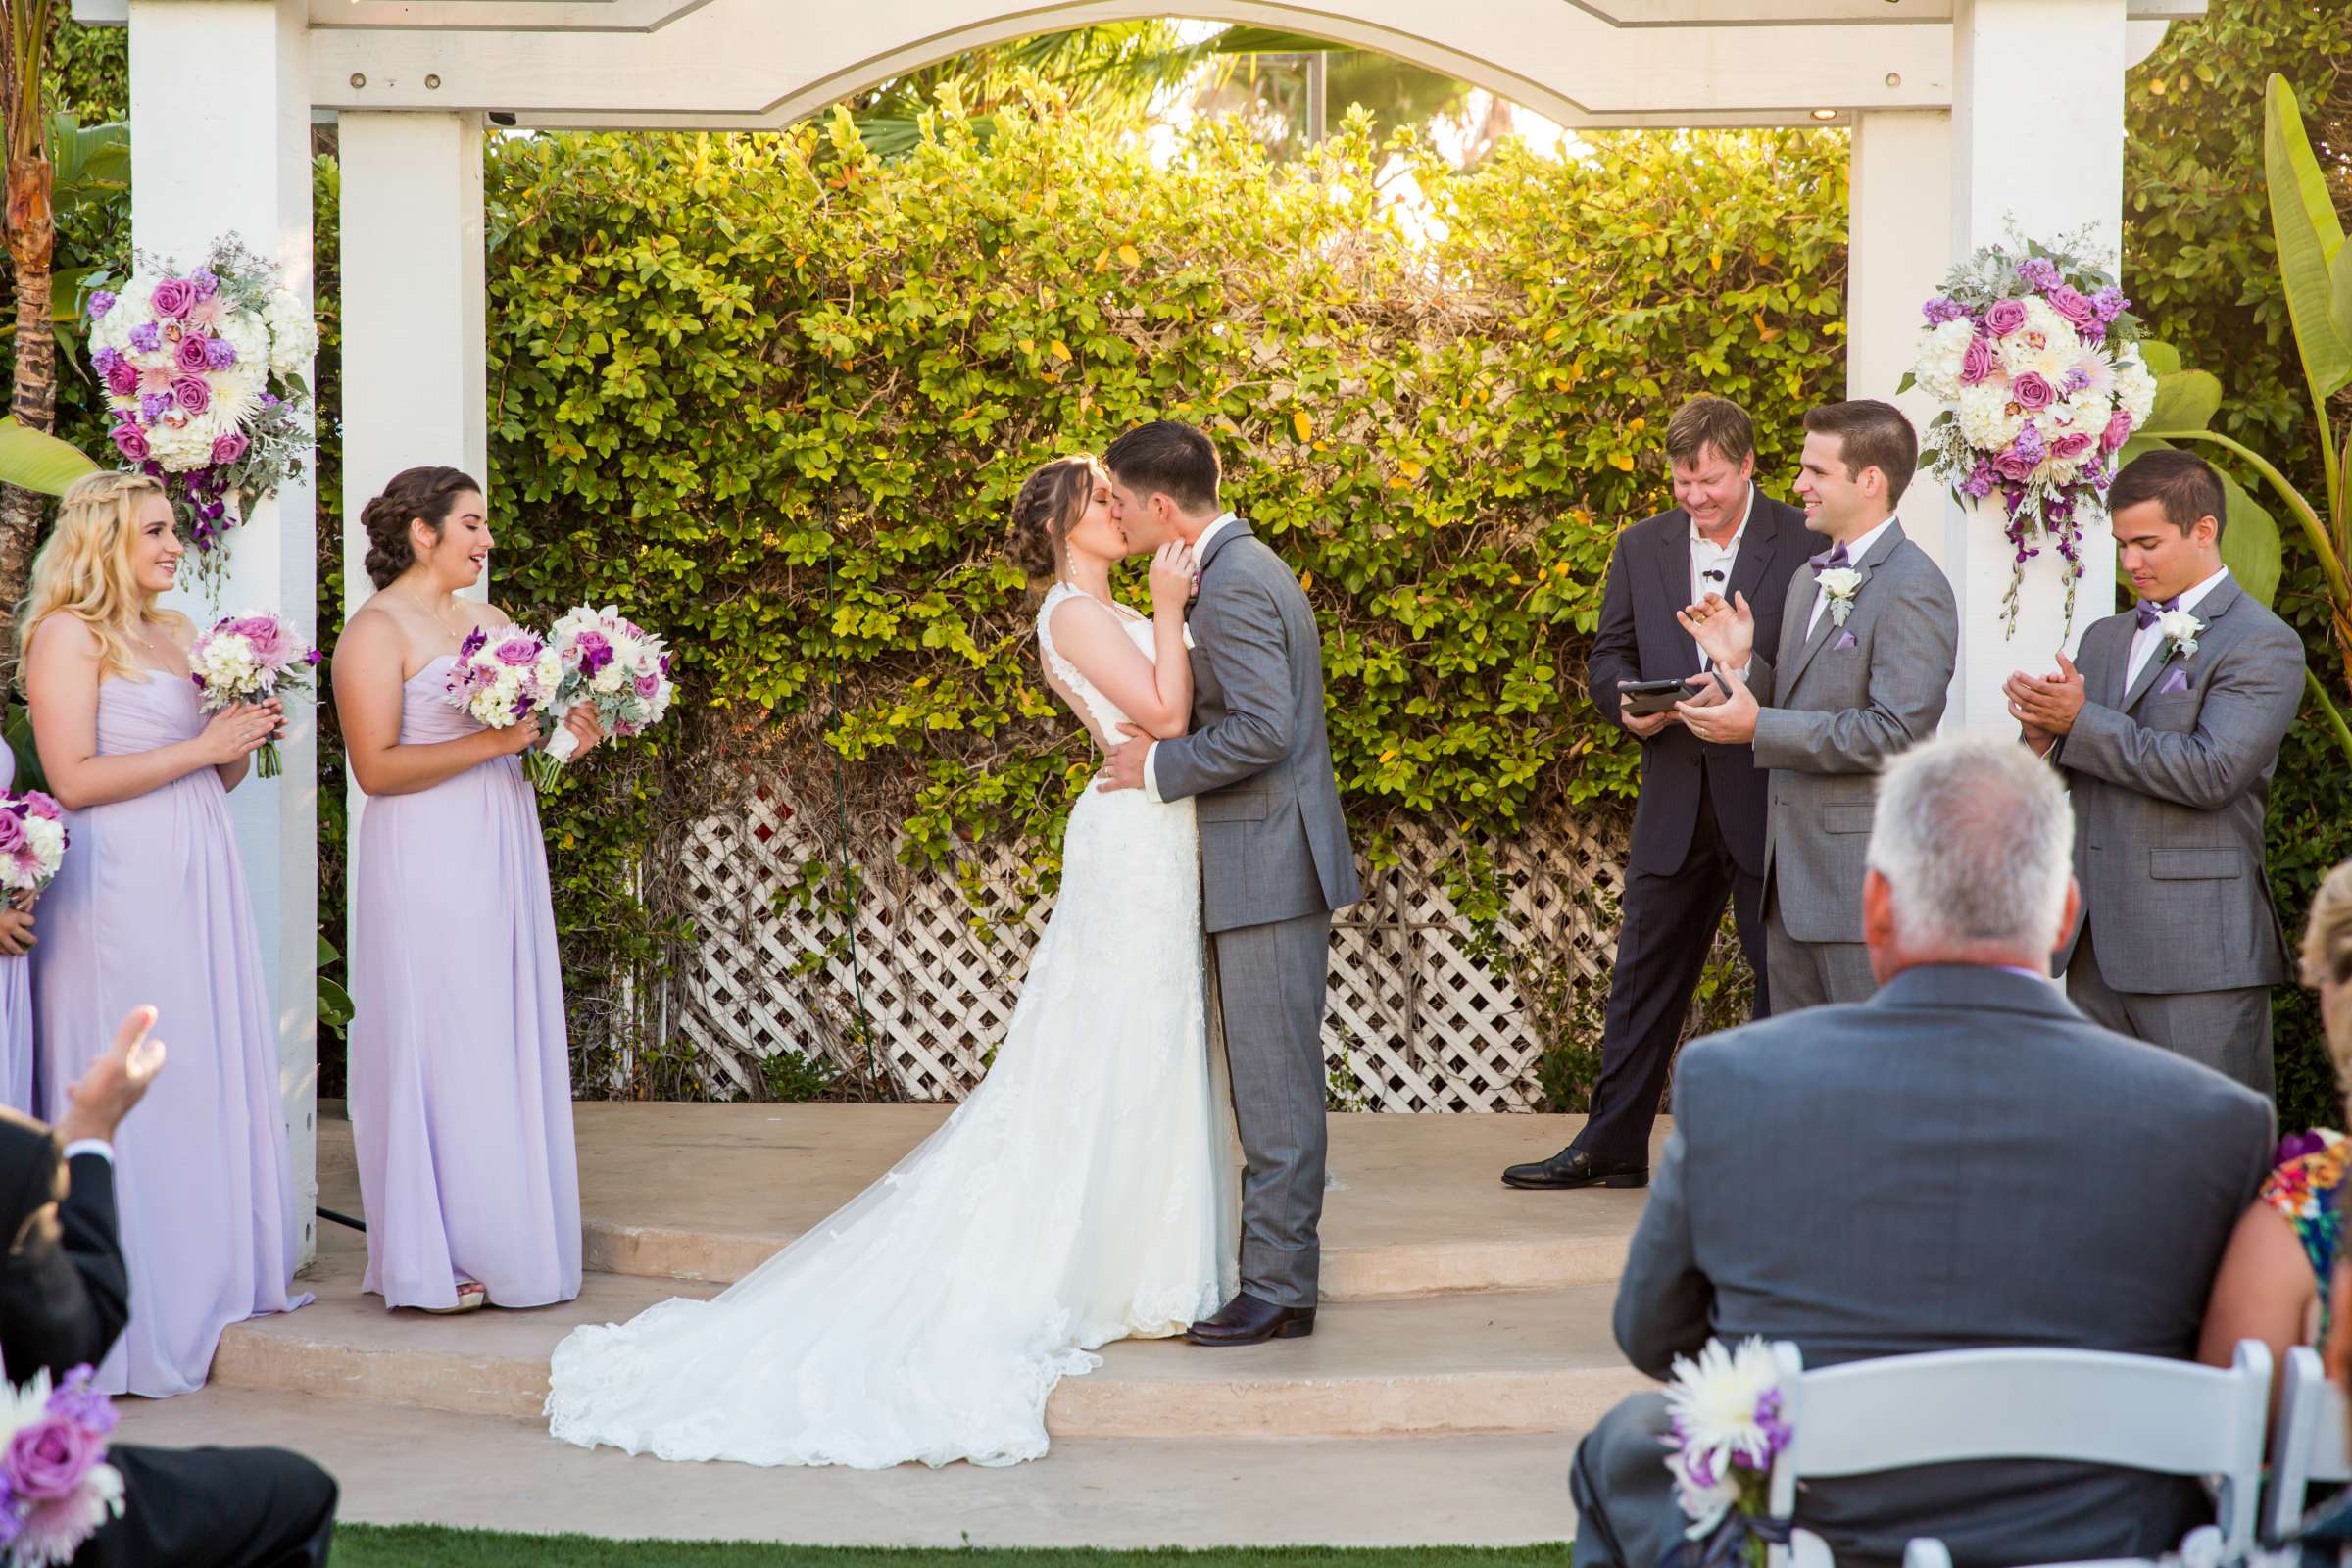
[1124, 766]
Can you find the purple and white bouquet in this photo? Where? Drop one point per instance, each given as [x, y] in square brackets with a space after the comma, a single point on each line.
[612, 664]
[205, 372]
[248, 658]
[2034, 356]
[1726, 1431]
[32, 845]
[56, 1487]
[503, 676]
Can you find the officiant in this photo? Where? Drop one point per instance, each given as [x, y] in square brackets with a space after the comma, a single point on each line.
[1698, 828]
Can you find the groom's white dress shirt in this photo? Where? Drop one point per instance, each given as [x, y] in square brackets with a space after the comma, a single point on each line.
[2145, 640]
[1199, 547]
[1853, 555]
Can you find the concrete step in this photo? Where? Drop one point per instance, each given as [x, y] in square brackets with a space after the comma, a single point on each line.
[1528, 1361]
[406, 1466]
[707, 1193]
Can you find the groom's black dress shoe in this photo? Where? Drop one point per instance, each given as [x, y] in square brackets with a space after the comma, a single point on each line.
[1573, 1167]
[1247, 1320]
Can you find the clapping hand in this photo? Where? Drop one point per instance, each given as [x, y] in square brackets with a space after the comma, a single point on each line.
[102, 1096]
[1726, 631]
[2044, 706]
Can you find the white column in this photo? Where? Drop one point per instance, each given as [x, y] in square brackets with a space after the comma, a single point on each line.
[1898, 247]
[2037, 137]
[220, 115]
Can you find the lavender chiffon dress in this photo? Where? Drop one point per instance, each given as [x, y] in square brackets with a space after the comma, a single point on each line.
[149, 906]
[460, 1073]
[16, 1000]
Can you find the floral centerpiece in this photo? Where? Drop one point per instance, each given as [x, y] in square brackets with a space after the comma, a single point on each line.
[56, 1487]
[2034, 356]
[204, 371]
[503, 676]
[612, 664]
[250, 658]
[32, 845]
[1725, 1410]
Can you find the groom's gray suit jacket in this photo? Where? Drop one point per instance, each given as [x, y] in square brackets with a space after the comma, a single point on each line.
[1835, 710]
[2170, 791]
[1258, 760]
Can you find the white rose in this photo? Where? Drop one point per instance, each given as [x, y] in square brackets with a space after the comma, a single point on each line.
[2180, 629]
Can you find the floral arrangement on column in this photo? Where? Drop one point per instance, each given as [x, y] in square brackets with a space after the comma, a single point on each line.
[204, 372]
[2034, 354]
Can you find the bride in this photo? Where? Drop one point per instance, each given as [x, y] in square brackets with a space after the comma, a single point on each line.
[1083, 1193]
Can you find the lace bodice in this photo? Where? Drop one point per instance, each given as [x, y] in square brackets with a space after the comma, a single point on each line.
[1103, 715]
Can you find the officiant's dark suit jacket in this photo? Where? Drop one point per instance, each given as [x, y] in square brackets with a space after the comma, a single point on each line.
[64, 1297]
[1650, 579]
[1963, 1160]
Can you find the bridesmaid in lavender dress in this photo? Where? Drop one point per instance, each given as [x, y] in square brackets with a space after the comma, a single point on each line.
[15, 987]
[150, 907]
[460, 1073]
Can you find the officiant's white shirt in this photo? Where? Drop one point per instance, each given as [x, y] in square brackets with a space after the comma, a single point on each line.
[2147, 639]
[1200, 548]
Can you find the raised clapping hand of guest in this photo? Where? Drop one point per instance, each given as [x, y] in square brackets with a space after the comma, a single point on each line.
[1724, 720]
[1726, 631]
[2044, 706]
[99, 1099]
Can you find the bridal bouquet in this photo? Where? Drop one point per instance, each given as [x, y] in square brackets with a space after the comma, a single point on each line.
[33, 844]
[2034, 356]
[204, 375]
[612, 664]
[56, 1487]
[1726, 1428]
[247, 659]
[503, 676]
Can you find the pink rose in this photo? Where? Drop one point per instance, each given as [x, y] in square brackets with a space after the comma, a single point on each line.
[1977, 362]
[193, 393]
[11, 832]
[172, 297]
[2118, 431]
[122, 379]
[130, 441]
[518, 651]
[228, 447]
[2032, 392]
[2067, 448]
[43, 807]
[49, 1458]
[2005, 316]
[267, 637]
[192, 355]
[2075, 306]
[648, 686]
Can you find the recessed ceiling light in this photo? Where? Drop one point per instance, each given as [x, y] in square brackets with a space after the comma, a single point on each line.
[1825, 113]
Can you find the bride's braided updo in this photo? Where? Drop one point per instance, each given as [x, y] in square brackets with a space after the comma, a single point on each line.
[1049, 502]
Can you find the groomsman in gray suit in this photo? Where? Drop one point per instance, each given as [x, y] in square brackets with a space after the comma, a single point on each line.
[1275, 859]
[1905, 1175]
[1864, 662]
[2168, 732]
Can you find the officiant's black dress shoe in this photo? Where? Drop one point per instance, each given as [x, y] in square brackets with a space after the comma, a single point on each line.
[1247, 1320]
[1573, 1167]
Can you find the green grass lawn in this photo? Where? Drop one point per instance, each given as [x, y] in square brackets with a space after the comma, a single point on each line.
[425, 1547]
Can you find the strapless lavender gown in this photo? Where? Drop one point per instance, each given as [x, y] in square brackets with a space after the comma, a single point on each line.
[461, 1074]
[149, 906]
[16, 1000]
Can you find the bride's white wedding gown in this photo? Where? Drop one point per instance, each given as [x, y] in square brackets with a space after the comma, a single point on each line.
[1084, 1193]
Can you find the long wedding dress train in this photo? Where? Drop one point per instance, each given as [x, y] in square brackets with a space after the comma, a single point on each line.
[1084, 1193]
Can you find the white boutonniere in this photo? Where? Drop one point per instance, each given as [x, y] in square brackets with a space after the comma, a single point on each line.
[1840, 584]
[2180, 629]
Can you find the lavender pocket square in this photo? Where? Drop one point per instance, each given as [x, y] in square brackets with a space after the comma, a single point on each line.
[1845, 639]
[2175, 680]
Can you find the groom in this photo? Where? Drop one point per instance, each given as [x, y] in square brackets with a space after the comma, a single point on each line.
[1274, 853]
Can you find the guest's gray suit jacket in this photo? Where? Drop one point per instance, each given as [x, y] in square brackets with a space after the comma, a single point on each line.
[1257, 761]
[2170, 791]
[1963, 1160]
[1835, 712]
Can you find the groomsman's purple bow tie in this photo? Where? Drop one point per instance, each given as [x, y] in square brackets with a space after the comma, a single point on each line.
[1831, 560]
[2145, 613]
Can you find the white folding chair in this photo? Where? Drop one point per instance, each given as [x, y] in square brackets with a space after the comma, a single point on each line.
[2085, 1406]
[2307, 1443]
[1926, 1551]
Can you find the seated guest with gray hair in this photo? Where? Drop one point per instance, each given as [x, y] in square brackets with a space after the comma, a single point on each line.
[1962, 1160]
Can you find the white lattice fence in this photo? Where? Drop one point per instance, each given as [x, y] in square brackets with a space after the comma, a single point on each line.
[1423, 1016]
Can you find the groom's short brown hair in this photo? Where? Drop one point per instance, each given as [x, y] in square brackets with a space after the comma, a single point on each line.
[1168, 458]
[1871, 434]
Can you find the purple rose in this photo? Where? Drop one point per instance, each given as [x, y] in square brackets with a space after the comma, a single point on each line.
[518, 651]
[228, 449]
[2067, 448]
[267, 637]
[1976, 363]
[147, 337]
[648, 686]
[172, 297]
[1942, 309]
[101, 301]
[11, 832]
[2039, 271]
[48, 1459]
[2075, 306]
[192, 355]
[2032, 392]
[193, 392]
[130, 441]
[2005, 316]
[122, 377]
[218, 354]
[2014, 466]
[43, 807]
[2118, 431]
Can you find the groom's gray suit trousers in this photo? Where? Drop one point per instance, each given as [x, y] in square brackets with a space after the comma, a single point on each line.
[1270, 981]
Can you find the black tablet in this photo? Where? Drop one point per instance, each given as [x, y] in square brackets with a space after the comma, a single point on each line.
[1647, 697]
